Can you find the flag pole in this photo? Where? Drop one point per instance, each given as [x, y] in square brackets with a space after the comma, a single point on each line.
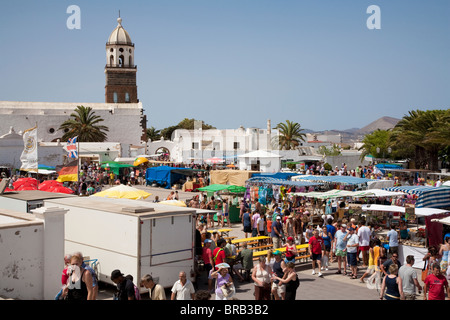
[78, 164]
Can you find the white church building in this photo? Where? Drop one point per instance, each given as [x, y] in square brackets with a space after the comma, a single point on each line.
[122, 111]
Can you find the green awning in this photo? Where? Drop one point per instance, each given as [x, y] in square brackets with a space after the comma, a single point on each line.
[220, 187]
[115, 166]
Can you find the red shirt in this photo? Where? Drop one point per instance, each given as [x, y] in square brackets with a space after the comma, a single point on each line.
[219, 256]
[269, 225]
[316, 244]
[207, 254]
[436, 285]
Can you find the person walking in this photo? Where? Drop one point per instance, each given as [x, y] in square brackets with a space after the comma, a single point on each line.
[435, 285]
[290, 281]
[327, 238]
[341, 248]
[255, 217]
[277, 233]
[409, 279]
[278, 268]
[392, 287]
[79, 286]
[183, 289]
[125, 286]
[262, 278]
[246, 258]
[393, 260]
[223, 279]
[374, 253]
[352, 248]
[247, 222]
[364, 235]
[316, 247]
[156, 291]
[392, 236]
[443, 252]
[291, 250]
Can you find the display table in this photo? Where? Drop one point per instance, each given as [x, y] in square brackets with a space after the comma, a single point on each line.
[417, 252]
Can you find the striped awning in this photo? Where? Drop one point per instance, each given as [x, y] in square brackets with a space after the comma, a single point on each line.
[349, 180]
[283, 182]
[428, 197]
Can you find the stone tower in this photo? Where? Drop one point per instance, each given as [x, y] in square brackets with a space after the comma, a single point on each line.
[120, 70]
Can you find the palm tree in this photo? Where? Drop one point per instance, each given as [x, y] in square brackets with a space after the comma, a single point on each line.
[290, 135]
[83, 123]
[427, 131]
[375, 144]
[153, 134]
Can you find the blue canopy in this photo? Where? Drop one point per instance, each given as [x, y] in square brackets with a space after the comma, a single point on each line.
[428, 197]
[166, 175]
[335, 179]
[278, 175]
[284, 182]
[383, 166]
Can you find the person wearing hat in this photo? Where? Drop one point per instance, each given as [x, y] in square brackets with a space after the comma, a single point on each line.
[277, 232]
[291, 250]
[208, 259]
[125, 286]
[278, 267]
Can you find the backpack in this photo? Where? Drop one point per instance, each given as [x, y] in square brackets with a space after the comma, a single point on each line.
[137, 294]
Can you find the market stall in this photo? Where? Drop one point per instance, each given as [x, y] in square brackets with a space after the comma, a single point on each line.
[426, 196]
[223, 189]
[420, 237]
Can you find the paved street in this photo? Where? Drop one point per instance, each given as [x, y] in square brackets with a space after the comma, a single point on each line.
[330, 287]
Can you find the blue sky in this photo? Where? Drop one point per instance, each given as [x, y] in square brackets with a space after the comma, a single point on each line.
[237, 62]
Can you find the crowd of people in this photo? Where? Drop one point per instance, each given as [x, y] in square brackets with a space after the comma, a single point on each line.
[350, 243]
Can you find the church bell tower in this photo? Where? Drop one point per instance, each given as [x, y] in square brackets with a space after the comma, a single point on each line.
[120, 70]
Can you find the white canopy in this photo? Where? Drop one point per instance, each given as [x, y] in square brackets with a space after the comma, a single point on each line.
[420, 212]
[260, 154]
[335, 193]
[445, 220]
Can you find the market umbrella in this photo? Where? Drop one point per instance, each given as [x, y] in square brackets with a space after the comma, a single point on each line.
[59, 189]
[139, 160]
[25, 188]
[26, 182]
[177, 203]
[231, 166]
[214, 160]
[123, 192]
[44, 186]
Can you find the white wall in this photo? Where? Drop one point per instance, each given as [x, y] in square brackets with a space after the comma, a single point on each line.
[31, 251]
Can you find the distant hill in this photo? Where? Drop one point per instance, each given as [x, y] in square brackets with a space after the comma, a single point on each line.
[384, 123]
[355, 134]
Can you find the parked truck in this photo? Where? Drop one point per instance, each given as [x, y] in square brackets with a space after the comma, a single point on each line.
[136, 237]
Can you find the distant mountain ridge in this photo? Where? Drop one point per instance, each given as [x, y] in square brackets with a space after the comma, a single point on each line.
[356, 134]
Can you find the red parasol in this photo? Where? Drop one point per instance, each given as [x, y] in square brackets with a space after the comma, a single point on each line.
[59, 189]
[44, 186]
[26, 182]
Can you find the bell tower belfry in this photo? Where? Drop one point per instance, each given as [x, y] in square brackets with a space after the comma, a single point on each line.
[120, 69]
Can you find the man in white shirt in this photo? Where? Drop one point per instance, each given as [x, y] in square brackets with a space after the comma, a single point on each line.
[183, 289]
[352, 248]
[364, 241]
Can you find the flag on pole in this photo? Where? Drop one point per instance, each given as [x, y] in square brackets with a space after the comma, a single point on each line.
[72, 148]
[68, 172]
[29, 155]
